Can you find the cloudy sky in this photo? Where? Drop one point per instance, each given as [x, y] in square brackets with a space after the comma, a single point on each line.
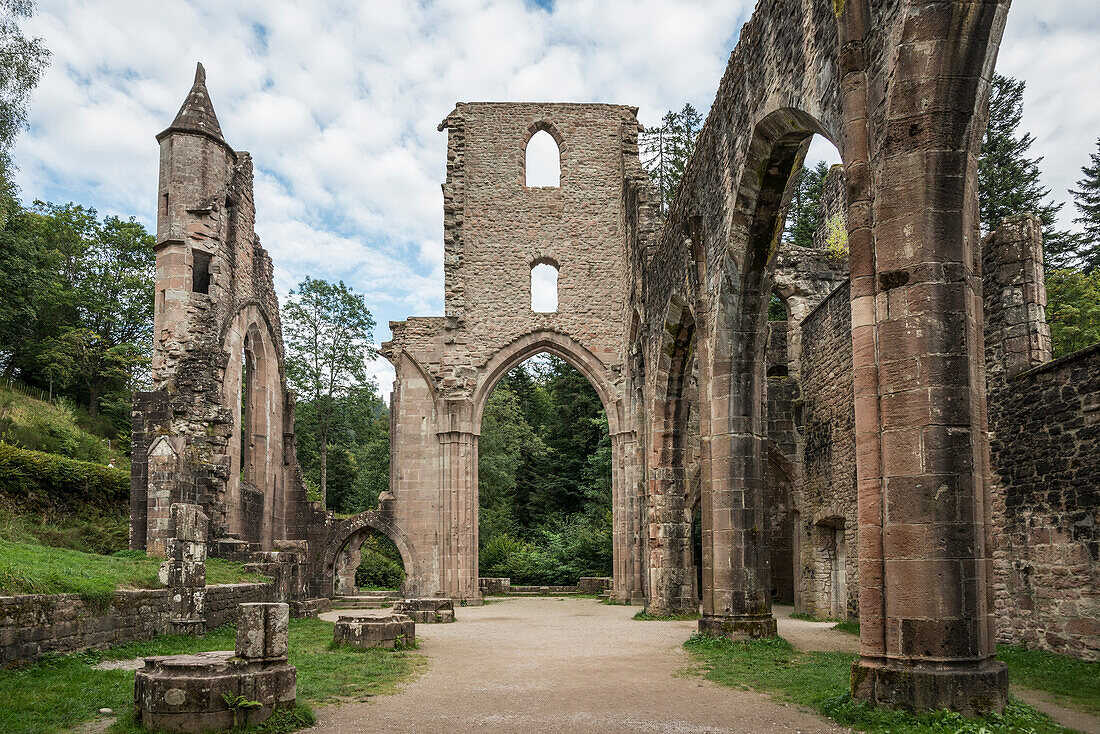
[338, 102]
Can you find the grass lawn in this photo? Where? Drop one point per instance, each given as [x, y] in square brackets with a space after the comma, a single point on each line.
[820, 680]
[30, 568]
[644, 616]
[1072, 683]
[59, 692]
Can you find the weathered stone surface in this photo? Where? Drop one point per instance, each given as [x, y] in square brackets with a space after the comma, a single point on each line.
[494, 586]
[593, 584]
[395, 630]
[216, 318]
[262, 631]
[210, 690]
[33, 624]
[426, 610]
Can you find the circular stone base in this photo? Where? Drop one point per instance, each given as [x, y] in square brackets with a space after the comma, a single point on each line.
[971, 691]
[738, 628]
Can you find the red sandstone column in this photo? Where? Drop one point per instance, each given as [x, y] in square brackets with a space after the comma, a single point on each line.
[926, 638]
[459, 556]
[736, 585]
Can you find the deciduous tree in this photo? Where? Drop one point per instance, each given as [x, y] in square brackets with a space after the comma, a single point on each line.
[328, 331]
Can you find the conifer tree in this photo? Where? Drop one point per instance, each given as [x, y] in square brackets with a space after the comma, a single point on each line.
[1086, 197]
[804, 212]
[1008, 181]
[665, 150]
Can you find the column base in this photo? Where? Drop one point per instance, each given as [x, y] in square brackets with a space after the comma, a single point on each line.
[741, 627]
[971, 691]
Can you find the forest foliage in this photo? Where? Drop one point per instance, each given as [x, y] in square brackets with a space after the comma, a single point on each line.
[544, 477]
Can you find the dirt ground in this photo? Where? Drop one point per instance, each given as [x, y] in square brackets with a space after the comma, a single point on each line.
[572, 665]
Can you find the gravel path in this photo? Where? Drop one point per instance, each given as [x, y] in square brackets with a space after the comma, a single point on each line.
[566, 665]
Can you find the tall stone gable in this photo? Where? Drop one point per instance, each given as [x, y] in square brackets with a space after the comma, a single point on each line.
[496, 230]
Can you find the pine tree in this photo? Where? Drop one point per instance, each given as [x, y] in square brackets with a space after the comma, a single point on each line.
[665, 150]
[1087, 200]
[1008, 181]
[804, 212]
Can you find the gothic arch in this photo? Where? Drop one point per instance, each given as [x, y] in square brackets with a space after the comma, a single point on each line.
[554, 343]
[346, 532]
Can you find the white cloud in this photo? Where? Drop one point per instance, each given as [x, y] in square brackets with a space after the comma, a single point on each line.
[339, 101]
[1052, 46]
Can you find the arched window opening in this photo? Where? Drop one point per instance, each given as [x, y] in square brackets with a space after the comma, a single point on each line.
[815, 216]
[247, 379]
[777, 310]
[544, 288]
[543, 161]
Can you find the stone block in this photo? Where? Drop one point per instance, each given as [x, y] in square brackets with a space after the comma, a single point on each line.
[593, 584]
[427, 610]
[262, 631]
[393, 631]
[210, 690]
[189, 523]
[494, 586]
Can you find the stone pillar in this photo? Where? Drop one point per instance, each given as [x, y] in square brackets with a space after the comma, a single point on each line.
[623, 509]
[922, 453]
[184, 573]
[637, 491]
[263, 631]
[1017, 336]
[736, 591]
[459, 472]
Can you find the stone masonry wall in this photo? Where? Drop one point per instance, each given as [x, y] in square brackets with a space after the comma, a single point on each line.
[33, 624]
[1044, 421]
[496, 229]
[216, 316]
[829, 480]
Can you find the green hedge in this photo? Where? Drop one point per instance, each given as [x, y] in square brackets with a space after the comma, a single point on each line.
[40, 481]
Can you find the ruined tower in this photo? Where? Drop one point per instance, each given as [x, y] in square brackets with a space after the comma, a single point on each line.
[217, 430]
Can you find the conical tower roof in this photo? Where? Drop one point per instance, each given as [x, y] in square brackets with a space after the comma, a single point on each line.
[197, 113]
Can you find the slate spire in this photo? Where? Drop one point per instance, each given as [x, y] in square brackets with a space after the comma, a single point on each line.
[197, 113]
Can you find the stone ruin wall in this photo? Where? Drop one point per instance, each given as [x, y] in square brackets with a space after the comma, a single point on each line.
[1044, 421]
[495, 230]
[187, 432]
[827, 499]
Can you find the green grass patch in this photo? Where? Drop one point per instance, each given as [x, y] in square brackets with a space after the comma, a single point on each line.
[644, 616]
[848, 625]
[1072, 683]
[59, 692]
[30, 568]
[820, 680]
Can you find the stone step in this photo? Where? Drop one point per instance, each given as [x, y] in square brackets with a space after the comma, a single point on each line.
[365, 601]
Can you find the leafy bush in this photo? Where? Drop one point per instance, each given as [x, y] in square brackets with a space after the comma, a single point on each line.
[41, 482]
[558, 554]
[380, 566]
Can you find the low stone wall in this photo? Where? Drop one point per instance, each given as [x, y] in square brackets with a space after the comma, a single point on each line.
[33, 624]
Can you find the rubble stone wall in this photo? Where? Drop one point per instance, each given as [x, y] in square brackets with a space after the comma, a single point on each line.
[217, 334]
[33, 624]
[827, 497]
[496, 229]
[1044, 423]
